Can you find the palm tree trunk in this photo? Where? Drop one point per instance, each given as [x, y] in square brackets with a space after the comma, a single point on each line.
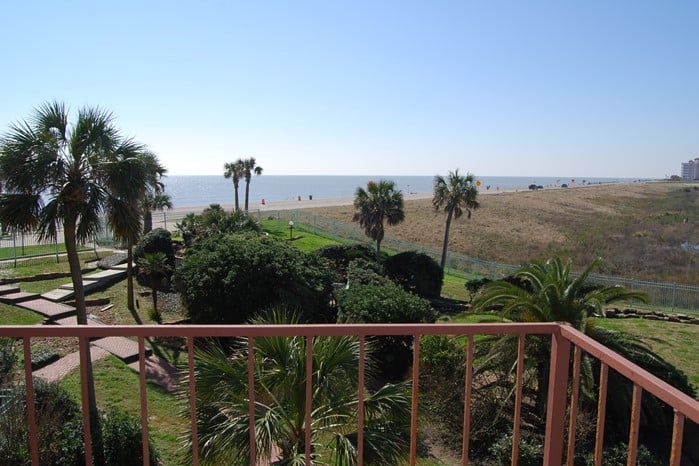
[69, 229]
[147, 221]
[129, 276]
[378, 249]
[445, 246]
[237, 204]
[247, 194]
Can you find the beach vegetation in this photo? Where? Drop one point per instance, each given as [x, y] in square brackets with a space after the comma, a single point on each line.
[339, 257]
[250, 168]
[57, 176]
[228, 278]
[455, 194]
[280, 369]
[380, 202]
[156, 267]
[154, 201]
[234, 171]
[382, 303]
[415, 272]
[214, 220]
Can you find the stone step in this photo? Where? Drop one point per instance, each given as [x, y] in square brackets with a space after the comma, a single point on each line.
[58, 295]
[6, 289]
[47, 308]
[88, 284]
[109, 274]
[73, 320]
[17, 297]
[121, 347]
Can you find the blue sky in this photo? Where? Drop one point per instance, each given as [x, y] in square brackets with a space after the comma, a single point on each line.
[497, 88]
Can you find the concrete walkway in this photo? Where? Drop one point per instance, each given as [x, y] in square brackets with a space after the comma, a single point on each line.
[56, 313]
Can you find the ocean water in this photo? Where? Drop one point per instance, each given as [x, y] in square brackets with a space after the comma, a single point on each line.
[195, 191]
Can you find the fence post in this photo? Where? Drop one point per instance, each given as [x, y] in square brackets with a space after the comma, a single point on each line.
[14, 246]
[556, 401]
[674, 292]
[55, 240]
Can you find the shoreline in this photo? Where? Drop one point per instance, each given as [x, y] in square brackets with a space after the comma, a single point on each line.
[301, 203]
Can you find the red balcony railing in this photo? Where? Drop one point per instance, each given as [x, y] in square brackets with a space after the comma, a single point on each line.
[563, 388]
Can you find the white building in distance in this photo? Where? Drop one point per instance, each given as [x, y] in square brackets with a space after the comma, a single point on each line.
[690, 170]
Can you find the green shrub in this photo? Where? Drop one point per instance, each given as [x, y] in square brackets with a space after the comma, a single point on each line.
[365, 272]
[227, 279]
[43, 356]
[214, 220]
[387, 303]
[340, 256]
[158, 240]
[121, 436]
[415, 272]
[8, 359]
[530, 450]
[616, 456]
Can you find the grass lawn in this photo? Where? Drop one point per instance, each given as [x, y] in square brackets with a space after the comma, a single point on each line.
[35, 250]
[13, 315]
[117, 386]
[303, 236]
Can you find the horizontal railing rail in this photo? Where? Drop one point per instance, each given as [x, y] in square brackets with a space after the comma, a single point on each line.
[561, 402]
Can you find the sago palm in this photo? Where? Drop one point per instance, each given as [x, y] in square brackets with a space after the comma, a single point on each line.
[455, 194]
[280, 377]
[379, 203]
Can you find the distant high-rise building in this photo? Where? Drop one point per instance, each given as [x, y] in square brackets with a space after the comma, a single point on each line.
[690, 170]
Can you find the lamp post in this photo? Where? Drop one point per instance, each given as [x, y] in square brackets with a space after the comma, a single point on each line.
[291, 230]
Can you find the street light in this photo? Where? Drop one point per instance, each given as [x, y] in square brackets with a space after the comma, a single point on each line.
[291, 230]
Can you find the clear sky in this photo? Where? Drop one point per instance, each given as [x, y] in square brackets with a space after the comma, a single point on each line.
[497, 88]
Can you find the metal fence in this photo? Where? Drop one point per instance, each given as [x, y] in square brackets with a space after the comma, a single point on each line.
[18, 248]
[663, 294]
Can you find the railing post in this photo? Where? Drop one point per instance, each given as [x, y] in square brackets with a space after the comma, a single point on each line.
[556, 401]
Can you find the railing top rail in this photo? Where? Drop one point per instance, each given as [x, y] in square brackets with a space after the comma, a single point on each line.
[644, 379]
[276, 330]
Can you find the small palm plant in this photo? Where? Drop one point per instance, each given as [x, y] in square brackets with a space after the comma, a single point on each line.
[155, 265]
[377, 203]
[280, 403]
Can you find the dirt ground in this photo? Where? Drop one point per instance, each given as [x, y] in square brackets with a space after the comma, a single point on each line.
[630, 225]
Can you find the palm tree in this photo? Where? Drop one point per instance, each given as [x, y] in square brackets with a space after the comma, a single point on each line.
[249, 168]
[155, 266]
[154, 201]
[379, 202]
[280, 374]
[455, 194]
[234, 170]
[56, 175]
[548, 292]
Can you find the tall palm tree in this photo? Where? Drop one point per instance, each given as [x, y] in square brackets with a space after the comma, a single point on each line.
[249, 168]
[234, 170]
[378, 203]
[135, 181]
[59, 175]
[280, 375]
[154, 201]
[455, 194]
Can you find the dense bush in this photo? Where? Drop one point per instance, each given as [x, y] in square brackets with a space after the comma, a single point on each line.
[8, 359]
[226, 279]
[43, 356]
[387, 303]
[415, 272]
[531, 450]
[340, 256]
[365, 272]
[121, 436]
[154, 242]
[214, 220]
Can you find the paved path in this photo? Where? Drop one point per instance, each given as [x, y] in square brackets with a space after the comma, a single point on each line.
[157, 369]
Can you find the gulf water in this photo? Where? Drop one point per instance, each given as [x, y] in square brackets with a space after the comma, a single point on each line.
[196, 191]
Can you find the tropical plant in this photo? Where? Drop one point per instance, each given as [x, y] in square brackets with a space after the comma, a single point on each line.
[378, 203]
[549, 292]
[215, 221]
[234, 170]
[455, 194]
[154, 201]
[225, 279]
[280, 403]
[249, 168]
[56, 175]
[155, 265]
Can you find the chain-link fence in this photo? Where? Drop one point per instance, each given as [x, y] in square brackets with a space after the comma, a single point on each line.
[18, 248]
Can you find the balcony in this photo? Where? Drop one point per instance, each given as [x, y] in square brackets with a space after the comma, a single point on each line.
[566, 350]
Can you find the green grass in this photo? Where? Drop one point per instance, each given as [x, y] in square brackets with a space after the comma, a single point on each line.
[674, 342]
[117, 386]
[35, 250]
[304, 237]
[13, 315]
[49, 265]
